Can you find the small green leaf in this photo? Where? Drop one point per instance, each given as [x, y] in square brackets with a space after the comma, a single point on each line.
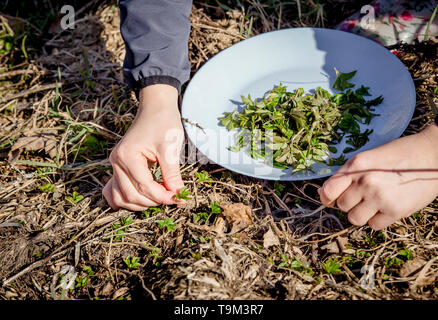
[341, 82]
[183, 194]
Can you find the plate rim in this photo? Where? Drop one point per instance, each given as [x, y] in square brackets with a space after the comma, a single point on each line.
[298, 29]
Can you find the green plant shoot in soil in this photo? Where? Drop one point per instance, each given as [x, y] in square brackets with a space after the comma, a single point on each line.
[298, 129]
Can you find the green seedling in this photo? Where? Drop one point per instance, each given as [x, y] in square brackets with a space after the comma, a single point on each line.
[416, 216]
[363, 254]
[295, 264]
[48, 188]
[196, 256]
[151, 211]
[155, 254]
[126, 220]
[88, 270]
[215, 208]
[119, 228]
[167, 223]
[393, 262]
[43, 172]
[278, 187]
[74, 198]
[203, 176]
[203, 239]
[183, 194]
[92, 146]
[406, 253]
[81, 282]
[202, 216]
[132, 262]
[298, 129]
[38, 253]
[205, 216]
[339, 161]
[332, 266]
[118, 232]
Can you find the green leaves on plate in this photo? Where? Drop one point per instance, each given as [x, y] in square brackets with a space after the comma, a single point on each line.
[296, 129]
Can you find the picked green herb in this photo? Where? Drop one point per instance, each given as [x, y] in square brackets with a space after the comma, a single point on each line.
[299, 129]
[183, 194]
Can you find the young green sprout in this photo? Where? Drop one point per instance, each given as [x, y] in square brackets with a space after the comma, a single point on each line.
[151, 211]
[167, 223]
[332, 266]
[203, 176]
[183, 194]
[74, 198]
[48, 188]
[132, 262]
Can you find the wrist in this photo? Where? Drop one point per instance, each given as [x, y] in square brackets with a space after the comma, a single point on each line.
[158, 97]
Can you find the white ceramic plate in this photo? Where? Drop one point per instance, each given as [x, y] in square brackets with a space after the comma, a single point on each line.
[298, 57]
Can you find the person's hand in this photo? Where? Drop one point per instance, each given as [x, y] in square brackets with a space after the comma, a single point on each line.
[383, 197]
[155, 135]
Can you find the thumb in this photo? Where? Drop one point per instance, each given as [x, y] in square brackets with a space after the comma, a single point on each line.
[333, 188]
[171, 175]
[168, 158]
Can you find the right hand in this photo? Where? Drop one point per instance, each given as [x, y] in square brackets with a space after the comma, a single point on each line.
[155, 135]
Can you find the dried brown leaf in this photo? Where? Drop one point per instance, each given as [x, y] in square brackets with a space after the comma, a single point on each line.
[41, 141]
[270, 239]
[219, 226]
[238, 216]
[411, 266]
[342, 243]
[331, 247]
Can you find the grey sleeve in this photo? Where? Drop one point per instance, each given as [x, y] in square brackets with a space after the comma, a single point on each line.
[156, 35]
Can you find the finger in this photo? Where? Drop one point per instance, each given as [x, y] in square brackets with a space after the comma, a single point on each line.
[107, 193]
[333, 188]
[130, 193]
[171, 174]
[168, 158]
[381, 221]
[120, 201]
[349, 198]
[360, 214]
[138, 172]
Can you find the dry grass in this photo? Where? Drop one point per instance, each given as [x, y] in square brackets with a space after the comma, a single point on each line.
[69, 107]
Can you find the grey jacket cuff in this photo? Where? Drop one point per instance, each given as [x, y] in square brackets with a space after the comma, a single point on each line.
[156, 35]
[144, 82]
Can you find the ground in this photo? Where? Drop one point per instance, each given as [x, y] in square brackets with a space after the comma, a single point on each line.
[63, 106]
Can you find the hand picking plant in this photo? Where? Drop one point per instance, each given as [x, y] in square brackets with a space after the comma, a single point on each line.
[298, 129]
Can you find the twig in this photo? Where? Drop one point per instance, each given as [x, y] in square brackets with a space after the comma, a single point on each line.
[324, 239]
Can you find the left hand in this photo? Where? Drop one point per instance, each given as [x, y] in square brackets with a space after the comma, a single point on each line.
[381, 198]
